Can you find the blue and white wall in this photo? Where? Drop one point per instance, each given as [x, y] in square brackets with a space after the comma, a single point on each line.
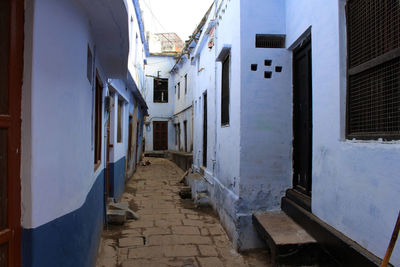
[62, 192]
[159, 66]
[354, 182]
[118, 150]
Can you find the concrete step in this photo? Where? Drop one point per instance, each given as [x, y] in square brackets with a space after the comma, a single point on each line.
[116, 217]
[289, 242]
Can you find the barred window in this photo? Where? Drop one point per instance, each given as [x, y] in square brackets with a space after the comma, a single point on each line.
[160, 90]
[373, 95]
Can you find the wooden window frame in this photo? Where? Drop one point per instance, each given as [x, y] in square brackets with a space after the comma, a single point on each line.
[89, 66]
[179, 90]
[120, 123]
[186, 83]
[225, 91]
[98, 118]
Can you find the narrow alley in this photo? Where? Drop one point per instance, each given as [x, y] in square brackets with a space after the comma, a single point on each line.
[170, 231]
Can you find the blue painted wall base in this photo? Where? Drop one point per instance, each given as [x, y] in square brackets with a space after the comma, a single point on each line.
[117, 178]
[71, 240]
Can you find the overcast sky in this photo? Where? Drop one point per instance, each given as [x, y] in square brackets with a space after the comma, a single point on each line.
[180, 16]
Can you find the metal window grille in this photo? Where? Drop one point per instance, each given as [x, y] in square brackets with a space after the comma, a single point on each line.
[270, 41]
[373, 97]
[160, 90]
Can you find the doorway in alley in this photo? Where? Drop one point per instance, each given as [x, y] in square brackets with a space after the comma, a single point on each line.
[160, 135]
[205, 131]
[11, 65]
[185, 134]
[302, 117]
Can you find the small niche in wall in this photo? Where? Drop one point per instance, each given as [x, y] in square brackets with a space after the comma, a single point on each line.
[278, 69]
[267, 62]
[267, 74]
[253, 67]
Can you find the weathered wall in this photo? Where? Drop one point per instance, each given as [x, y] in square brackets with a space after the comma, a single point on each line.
[354, 182]
[266, 112]
[223, 150]
[59, 183]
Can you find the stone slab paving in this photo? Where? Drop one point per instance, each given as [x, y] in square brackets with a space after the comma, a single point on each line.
[170, 231]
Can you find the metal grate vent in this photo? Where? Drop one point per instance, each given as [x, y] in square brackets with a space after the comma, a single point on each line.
[373, 29]
[270, 41]
[374, 101]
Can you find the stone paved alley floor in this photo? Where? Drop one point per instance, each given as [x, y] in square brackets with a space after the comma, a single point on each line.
[171, 231]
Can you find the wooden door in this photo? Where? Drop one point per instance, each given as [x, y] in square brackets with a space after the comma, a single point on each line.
[11, 65]
[302, 118]
[160, 135]
[185, 135]
[205, 126]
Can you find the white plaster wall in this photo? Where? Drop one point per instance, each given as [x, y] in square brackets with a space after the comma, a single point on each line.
[60, 100]
[119, 150]
[228, 32]
[355, 184]
[266, 117]
[185, 100]
[159, 111]
[183, 104]
[204, 81]
[136, 49]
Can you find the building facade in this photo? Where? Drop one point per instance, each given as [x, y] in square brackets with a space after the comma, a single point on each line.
[74, 93]
[279, 110]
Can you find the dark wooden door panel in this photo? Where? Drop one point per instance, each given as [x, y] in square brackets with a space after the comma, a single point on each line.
[11, 65]
[160, 135]
[302, 118]
[205, 126]
[3, 179]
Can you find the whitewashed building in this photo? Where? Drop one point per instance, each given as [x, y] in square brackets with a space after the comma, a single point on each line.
[293, 110]
[71, 104]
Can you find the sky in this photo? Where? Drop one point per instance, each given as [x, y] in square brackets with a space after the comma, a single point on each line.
[179, 16]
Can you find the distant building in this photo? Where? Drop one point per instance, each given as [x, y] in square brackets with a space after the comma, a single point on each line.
[164, 43]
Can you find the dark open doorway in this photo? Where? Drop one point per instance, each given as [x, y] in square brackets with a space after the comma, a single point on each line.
[302, 117]
[205, 131]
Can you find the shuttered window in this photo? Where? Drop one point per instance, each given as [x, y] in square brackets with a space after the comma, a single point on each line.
[98, 123]
[225, 91]
[119, 126]
[373, 96]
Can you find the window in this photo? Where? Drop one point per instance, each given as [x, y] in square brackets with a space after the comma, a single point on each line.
[179, 90]
[225, 92]
[89, 65]
[98, 122]
[270, 41]
[119, 126]
[186, 84]
[373, 95]
[160, 90]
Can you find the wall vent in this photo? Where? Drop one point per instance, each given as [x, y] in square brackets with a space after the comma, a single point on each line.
[270, 41]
